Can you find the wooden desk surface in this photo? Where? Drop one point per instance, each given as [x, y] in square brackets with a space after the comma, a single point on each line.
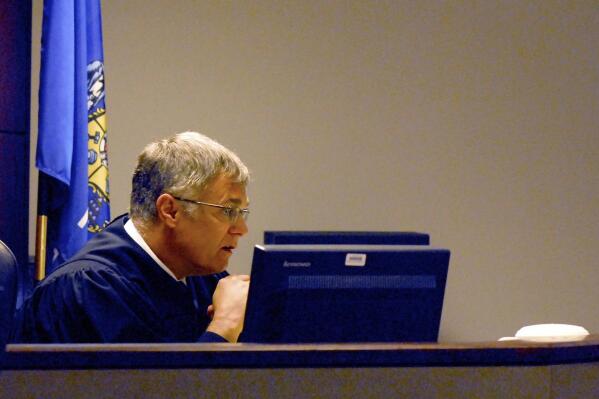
[187, 355]
[509, 369]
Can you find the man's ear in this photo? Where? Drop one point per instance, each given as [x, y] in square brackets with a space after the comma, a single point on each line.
[167, 209]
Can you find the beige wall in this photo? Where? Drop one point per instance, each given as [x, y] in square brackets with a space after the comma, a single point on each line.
[474, 121]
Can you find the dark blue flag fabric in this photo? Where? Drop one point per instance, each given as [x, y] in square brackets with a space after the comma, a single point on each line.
[71, 147]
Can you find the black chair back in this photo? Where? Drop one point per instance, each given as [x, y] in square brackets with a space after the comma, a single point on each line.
[8, 291]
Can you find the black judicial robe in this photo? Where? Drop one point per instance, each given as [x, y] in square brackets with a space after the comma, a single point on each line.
[113, 291]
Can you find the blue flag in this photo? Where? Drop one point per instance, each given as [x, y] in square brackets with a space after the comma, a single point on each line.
[71, 147]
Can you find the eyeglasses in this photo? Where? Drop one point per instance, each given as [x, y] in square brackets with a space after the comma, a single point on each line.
[230, 213]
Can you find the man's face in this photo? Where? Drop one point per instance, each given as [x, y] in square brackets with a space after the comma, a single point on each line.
[206, 239]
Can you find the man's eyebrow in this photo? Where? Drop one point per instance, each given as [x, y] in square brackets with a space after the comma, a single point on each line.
[236, 201]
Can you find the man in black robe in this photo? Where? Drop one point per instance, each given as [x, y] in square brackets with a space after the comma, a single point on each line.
[158, 273]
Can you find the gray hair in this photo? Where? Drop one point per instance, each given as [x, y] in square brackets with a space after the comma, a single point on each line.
[181, 165]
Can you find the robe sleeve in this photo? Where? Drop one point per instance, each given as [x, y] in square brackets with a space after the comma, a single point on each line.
[210, 337]
[90, 306]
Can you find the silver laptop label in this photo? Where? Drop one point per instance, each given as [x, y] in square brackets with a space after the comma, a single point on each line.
[355, 259]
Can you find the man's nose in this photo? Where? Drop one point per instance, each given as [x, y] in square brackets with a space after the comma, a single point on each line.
[239, 227]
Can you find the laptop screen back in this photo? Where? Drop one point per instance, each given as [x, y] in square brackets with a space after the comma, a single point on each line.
[345, 293]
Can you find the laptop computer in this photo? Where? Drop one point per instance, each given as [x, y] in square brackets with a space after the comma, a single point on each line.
[345, 293]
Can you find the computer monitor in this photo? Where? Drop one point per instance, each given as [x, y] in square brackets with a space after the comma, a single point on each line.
[346, 237]
[345, 293]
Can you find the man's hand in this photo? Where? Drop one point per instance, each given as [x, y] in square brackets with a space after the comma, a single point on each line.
[228, 306]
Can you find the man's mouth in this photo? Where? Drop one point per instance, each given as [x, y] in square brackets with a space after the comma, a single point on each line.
[228, 249]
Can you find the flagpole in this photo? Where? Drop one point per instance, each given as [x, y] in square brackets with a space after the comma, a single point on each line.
[41, 229]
